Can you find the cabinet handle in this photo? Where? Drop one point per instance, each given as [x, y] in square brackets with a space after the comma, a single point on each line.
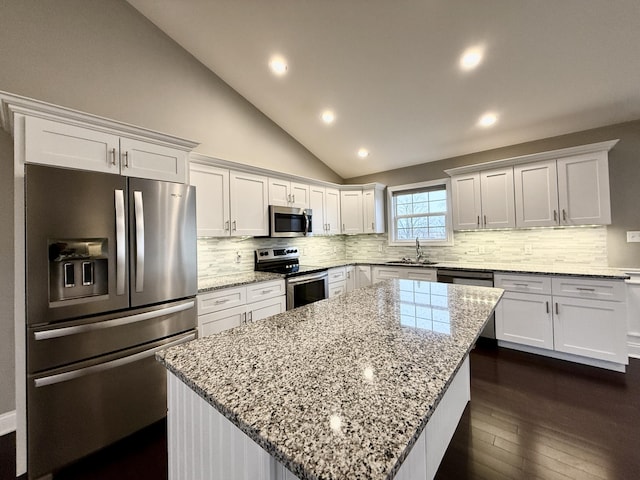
[547, 305]
[226, 226]
[555, 216]
[564, 215]
[294, 199]
[584, 289]
[264, 292]
[478, 220]
[113, 156]
[485, 220]
[372, 226]
[234, 225]
[244, 318]
[250, 319]
[525, 285]
[126, 159]
[220, 302]
[557, 309]
[343, 229]
[328, 226]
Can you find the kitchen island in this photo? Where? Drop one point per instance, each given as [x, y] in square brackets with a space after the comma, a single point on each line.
[368, 385]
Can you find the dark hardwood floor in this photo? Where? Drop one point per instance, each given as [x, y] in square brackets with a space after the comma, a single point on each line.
[530, 417]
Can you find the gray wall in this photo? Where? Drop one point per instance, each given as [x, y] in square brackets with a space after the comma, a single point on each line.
[7, 390]
[624, 177]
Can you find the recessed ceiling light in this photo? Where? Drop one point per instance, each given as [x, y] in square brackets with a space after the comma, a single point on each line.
[471, 58]
[278, 65]
[363, 153]
[328, 117]
[488, 119]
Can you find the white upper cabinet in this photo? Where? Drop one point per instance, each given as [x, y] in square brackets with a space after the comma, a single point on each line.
[536, 188]
[229, 203]
[249, 201]
[466, 200]
[496, 191]
[71, 146]
[351, 211]
[373, 210]
[325, 207]
[568, 191]
[212, 199]
[483, 200]
[288, 194]
[583, 190]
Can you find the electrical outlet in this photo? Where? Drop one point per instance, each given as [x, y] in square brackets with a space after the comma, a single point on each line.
[238, 256]
[528, 249]
[633, 237]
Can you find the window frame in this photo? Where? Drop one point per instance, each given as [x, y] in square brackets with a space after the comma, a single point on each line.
[391, 219]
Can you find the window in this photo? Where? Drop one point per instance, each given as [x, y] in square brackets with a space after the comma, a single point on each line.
[420, 210]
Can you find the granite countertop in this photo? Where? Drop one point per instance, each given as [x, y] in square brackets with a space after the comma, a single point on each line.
[343, 387]
[237, 279]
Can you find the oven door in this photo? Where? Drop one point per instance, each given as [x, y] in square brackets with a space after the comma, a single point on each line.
[306, 289]
[289, 221]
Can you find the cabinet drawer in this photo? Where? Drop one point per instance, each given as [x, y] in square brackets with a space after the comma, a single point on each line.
[337, 288]
[596, 289]
[337, 274]
[427, 275]
[220, 321]
[221, 299]
[523, 283]
[266, 308]
[264, 290]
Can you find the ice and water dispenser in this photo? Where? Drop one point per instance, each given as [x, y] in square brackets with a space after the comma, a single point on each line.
[78, 268]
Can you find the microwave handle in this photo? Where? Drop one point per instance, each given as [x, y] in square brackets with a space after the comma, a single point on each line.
[306, 223]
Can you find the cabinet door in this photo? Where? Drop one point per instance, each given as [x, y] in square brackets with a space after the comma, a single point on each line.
[299, 195]
[536, 192]
[316, 204]
[369, 211]
[351, 278]
[583, 190]
[496, 191]
[591, 328]
[465, 191]
[332, 210]
[266, 308]
[221, 299]
[383, 273]
[156, 162]
[62, 145]
[211, 323]
[279, 192]
[363, 275]
[351, 211]
[212, 200]
[525, 319]
[248, 204]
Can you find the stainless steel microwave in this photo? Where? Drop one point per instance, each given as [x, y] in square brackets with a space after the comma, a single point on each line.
[289, 221]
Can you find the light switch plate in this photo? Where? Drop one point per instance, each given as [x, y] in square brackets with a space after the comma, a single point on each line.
[633, 237]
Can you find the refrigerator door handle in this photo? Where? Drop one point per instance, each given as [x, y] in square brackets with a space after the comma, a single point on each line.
[120, 243]
[101, 367]
[139, 218]
[116, 322]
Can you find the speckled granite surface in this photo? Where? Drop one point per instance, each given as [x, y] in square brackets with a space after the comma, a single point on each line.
[341, 388]
[225, 281]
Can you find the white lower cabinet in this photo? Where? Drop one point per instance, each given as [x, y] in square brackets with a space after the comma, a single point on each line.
[566, 315]
[380, 273]
[351, 278]
[231, 307]
[363, 275]
[337, 281]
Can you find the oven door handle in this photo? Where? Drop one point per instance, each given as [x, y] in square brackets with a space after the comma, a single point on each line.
[308, 278]
[306, 223]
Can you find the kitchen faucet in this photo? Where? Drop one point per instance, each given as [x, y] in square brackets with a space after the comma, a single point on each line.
[419, 254]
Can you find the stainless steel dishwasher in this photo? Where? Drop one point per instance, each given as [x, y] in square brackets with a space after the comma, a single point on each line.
[473, 278]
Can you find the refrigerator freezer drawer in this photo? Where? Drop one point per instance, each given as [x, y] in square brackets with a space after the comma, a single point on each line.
[69, 342]
[74, 412]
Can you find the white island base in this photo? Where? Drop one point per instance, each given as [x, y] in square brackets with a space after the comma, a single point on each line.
[203, 444]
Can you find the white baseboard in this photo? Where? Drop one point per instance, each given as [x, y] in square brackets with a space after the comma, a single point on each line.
[7, 422]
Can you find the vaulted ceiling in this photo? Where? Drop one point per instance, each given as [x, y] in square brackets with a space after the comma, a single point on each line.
[390, 70]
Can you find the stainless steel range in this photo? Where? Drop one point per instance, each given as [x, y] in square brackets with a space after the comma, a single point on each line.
[305, 284]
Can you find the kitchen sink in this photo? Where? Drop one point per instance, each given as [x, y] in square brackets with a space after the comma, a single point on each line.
[409, 262]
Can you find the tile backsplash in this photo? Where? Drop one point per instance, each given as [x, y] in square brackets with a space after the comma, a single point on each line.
[574, 246]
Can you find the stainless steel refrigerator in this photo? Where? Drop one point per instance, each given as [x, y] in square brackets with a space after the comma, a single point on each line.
[111, 279]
